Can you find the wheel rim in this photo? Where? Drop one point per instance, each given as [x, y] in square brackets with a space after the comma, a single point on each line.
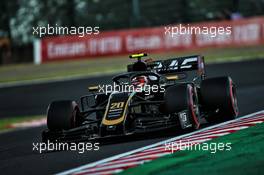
[233, 98]
[193, 107]
[73, 122]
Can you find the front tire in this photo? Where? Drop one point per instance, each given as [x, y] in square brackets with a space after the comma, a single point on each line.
[63, 115]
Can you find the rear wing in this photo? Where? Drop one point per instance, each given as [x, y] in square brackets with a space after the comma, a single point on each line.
[178, 65]
[180, 68]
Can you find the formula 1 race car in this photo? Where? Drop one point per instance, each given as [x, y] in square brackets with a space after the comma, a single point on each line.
[150, 96]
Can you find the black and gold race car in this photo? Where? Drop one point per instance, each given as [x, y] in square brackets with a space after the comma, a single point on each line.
[150, 96]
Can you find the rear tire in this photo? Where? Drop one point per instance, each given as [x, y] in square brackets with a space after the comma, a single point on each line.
[183, 97]
[219, 94]
[63, 115]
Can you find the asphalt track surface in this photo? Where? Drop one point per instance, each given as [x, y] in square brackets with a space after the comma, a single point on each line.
[17, 157]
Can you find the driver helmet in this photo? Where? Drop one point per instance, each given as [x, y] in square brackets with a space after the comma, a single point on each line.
[139, 81]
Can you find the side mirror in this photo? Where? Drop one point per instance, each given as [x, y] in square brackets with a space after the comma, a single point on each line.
[172, 77]
[93, 88]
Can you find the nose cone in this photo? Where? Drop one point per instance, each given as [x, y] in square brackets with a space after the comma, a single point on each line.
[114, 119]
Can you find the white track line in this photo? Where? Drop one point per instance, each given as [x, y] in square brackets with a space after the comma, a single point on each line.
[81, 168]
[127, 160]
[109, 172]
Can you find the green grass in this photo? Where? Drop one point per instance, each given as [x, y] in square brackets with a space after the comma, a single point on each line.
[103, 65]
[245, 157]
[6, 122]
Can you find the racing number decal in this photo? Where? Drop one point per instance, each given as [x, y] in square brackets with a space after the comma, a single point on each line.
[117, 105]
[183, 117]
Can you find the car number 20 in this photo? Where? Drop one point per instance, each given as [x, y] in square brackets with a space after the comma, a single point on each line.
[117, 105]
